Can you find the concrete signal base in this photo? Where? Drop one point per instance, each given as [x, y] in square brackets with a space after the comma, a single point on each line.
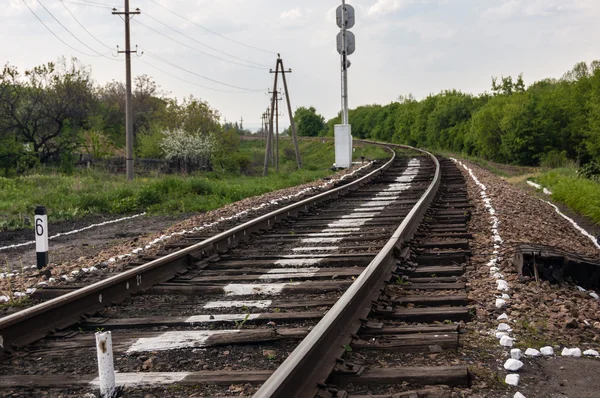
[343, 145]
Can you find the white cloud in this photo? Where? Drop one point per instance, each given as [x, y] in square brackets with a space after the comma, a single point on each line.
[292, 15]
[382, 7]
[538, 8]
[386, 6]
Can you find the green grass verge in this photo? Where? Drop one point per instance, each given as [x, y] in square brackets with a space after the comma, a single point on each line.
[90, 192]
[579, 194]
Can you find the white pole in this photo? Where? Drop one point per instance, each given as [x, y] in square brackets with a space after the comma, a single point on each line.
[106, 367]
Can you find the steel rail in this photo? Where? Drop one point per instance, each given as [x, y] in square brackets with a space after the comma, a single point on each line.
[35, 322]
[309, 365]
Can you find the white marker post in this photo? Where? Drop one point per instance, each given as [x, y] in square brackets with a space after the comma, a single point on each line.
[41, 236]
[106, 367]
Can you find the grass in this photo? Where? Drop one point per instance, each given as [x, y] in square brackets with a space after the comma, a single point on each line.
[93, 192]
[579, 194]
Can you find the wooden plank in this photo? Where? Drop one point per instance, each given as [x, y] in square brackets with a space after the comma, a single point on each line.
[124, 323]
[441, 259]
[430, 314]
[313, 287]
[442, 299]
[123, 341]
[445, 244]
[426, 375]
[132, 380]
[435, 286]
[409, 343]
[323, 273]
[410, 329]
[439, 270]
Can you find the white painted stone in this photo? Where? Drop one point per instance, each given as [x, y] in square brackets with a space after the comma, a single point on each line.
[502, 285]
[571, 352]
[595, 295]
[494, 269]
[305, 241]
[502, 317]
[513, 365]
[503, 327]
[506, 341]
[246, 289]
[298, 262]
[500, 303]
[176, 340]
[515, 353]
[532, 352]
[498, 275]
[518, 395]
[499, 335]
[238, 304]
[591, 353]
[139, 379]
[581, 289]
[505, 297]
[547, 351]
[512, 379]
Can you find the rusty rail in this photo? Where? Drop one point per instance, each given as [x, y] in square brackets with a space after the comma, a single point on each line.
[309, 365]
[33, 323]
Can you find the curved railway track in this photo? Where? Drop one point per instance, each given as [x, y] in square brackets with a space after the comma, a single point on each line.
[289, 302]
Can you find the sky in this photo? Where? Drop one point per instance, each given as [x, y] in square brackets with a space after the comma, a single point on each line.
[403, 47]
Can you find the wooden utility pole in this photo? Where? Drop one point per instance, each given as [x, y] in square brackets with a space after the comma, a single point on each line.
[289, 106]
[128, 96]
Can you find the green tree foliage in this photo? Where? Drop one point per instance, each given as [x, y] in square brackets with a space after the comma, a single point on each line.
[46, 106]
[308, 122]
[552, 121]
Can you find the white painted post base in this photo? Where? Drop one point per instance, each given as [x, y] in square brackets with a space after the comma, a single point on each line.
[106, 367]
[343, 145]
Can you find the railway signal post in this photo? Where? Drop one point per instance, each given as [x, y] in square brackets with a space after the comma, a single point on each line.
[345, 46]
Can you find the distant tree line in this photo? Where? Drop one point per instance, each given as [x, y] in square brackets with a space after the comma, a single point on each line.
[551, 121]
[52, 112]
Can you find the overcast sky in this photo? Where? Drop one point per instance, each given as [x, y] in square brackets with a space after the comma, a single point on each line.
[403, 46]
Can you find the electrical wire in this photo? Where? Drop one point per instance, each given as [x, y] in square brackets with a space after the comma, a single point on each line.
[71, 33]
[212, 31]
[88, 4]
[54, 34]
[196, 74]
[201, 43]
[195, 49]
[83, 27]
[193, 83]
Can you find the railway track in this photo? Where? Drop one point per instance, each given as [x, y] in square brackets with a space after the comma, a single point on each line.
[308, 300]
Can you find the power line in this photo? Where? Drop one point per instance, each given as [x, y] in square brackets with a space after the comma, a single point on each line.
[205, 45]
[54, 34]
[83, 27]
[212, 31]
[75, 37]
[193, 83]
[97, 5]
[196, 74]
[195, 49]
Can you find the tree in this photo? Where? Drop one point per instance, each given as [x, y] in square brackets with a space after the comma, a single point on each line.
[48, 106]
[308, 122]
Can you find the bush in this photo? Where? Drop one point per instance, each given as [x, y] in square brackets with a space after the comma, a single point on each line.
[554, 159]
[591, 171]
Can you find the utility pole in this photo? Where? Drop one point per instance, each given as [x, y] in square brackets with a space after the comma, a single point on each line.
[277, 71]
[277, 127]
[242, 123]
[128, 97]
